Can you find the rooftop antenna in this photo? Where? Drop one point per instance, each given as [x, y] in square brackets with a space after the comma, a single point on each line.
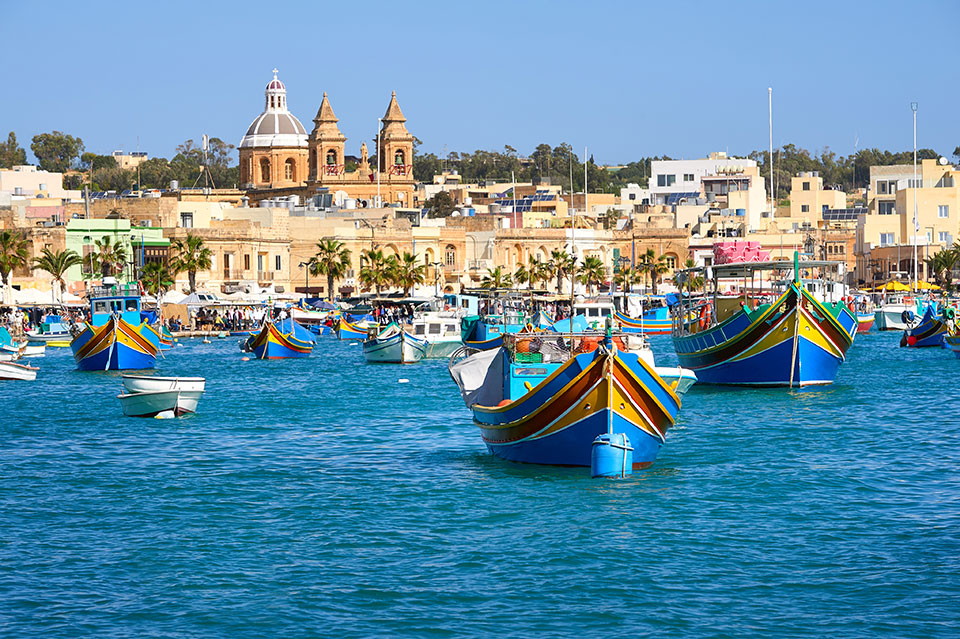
[204, 169]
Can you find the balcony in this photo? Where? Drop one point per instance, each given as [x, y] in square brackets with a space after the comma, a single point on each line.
[265, 276]
[231, 274]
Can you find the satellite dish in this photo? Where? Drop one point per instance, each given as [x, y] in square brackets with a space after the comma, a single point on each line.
[943, 161]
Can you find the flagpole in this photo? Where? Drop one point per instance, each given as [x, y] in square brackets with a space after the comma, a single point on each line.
[916, 226]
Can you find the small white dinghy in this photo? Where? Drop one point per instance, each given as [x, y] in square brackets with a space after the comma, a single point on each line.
[10, 370]
[34, 350]
[147, 383]
[152, 403]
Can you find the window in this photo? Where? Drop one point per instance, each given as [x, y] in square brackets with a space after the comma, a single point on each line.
[264, 170]
[260, 261]
[914, 183]
[804, 208]
[276, 261]
[186, 220]
[670, 261]
[943, 210]
[632, 196]
[246, 262]
[886, 187]
[806, 186]
[886, 208]
[666, 180]
[688, 177]
[886, 239]
[944, 237]
[451, 255]
[288, 169]
[946, 182]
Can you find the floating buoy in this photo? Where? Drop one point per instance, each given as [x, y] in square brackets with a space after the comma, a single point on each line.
[403, 380]
[912, 341]
[166, 414]
[611, 456]
[244, 359]
[206, 341]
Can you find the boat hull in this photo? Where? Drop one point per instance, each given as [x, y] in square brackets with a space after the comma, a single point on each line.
[272, 343]
[654, 322]
[442, 349]
[789, 344]
[865, 322]
[42, 338]
[400, 348]
[150, 383]
[930, 332]
[152, 403]
[592, 394]
[953, 343]
[890, 317]
[13, 371]
[116, 345]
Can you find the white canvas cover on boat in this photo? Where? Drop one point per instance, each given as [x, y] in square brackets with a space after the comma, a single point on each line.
[480, 377]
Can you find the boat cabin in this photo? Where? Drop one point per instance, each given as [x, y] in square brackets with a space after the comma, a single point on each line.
[436, 327]
[596, 312]
[115, 300]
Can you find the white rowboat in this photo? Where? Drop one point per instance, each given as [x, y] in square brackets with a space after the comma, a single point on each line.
[148, 383]
[9, 370]
[152, 403]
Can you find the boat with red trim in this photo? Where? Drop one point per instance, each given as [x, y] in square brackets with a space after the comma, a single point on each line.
[280, 339]
[115, 338]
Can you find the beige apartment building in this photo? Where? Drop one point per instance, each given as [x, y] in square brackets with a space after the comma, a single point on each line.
[809, 199]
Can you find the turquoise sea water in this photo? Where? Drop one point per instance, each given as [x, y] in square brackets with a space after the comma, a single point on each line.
[320, 497]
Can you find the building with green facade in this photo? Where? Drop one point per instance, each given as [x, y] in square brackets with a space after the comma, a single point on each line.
[141, 245]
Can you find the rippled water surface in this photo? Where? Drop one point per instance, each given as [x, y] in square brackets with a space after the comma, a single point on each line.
[322, 497]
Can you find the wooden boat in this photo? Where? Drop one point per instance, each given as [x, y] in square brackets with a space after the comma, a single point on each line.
[865, 322]
[794, 341]
[393, 345]
[280, 340]
[115, 338]
[952, 341]
[895, 312]
[14, 371]
[441, 331]
[152, 403]
[10, 350]
[654, 321]
[34, 350]
[147, 383]
[164, 336]
[52, 328]
[347, 330]
[929, 331]
[548, 407]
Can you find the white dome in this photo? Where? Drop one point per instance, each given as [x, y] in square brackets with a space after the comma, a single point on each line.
[276, 126]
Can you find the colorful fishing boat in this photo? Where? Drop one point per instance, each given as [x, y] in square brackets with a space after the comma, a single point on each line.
[347, 330]
[865, 321]
[115, 338]
[930, 330]
[952, 341]
[441, 330]
[549, 407]
[393, 345]
[164, 336]
[794, 341]
[654, 321]
[280, 339]
[10, 349]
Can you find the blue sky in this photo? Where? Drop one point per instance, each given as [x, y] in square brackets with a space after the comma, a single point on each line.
[627, 79]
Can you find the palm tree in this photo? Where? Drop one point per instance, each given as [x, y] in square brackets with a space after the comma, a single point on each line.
[407, 273]
[650, 264]
[191, 256]
[694, 283]
[56, 263]
[561, 265]
[375, 269]
[592, 272]
[496, 278]
[626, 278]
[13, 255]
[942, 263]
[333, 260]
[111, 255]
[157, 279]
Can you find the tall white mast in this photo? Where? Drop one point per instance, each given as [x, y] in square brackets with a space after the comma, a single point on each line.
[916, 224]
[770, 158]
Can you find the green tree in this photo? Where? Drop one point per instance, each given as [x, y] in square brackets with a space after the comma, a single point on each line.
[375, 269]
[93, 161]
[191, 256]
[440, 205]
[56, 263]
[333, 260]
[407, 272]
[13, 254]
[56, 151]
[592, 272]
[186, 164]
[156, 173]
[11, 153]
[111, 256]
[156, 278]
[561, 265]
[496, 278]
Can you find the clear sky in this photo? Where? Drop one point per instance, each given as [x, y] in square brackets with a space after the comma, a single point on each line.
[627, 79]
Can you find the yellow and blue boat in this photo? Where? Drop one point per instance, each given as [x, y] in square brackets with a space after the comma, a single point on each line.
[347, 330]
[115, 338]
[930, 330]
[654, 321]
[280, 339]
[794, 341]
[541, 409]
[164, 336]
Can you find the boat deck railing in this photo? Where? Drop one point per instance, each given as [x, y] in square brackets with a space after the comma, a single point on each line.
[128, 290]
[551, 347]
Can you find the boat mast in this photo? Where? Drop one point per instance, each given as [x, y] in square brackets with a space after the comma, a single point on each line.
[770, 157]
[916, 225]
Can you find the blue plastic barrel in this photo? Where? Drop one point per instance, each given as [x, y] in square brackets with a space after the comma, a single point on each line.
[741, 212]
[612, 456]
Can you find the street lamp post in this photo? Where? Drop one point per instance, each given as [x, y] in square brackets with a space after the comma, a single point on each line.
[306, 275]
[436, 277]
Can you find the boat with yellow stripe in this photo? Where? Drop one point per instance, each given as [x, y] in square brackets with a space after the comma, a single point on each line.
[795, 340]
[280, 339]
[548, 407]
[115, 338]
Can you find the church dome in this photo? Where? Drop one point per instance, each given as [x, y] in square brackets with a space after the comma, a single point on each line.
[276, 126]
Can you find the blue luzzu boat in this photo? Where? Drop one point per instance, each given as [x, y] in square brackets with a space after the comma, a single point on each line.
[547, 407]
[795, 341]
[929, 331]
[347, 330]
[115, 338]
[654, 321]
[280, 339]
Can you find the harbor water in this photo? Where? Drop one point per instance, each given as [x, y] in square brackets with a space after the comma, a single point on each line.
[322, 497]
